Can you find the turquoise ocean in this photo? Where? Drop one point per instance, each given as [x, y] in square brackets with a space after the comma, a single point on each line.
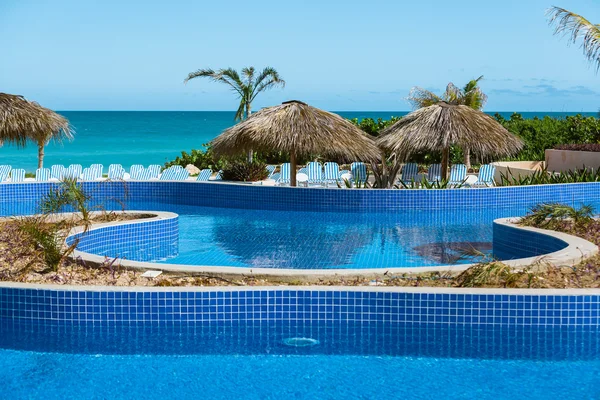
[127, 138]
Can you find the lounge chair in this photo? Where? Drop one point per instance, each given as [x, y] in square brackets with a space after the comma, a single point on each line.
[486, 175]
[314, 170]
[434, 174]
[154, 171]
[359, 172]
[134, 171]
[116, 172]
[219, 176]
[17, 175]
[270, 170]
[181, 174]
[58, 172]
[74, 171]
[284, 174]
[409, 172]
[42, 175]
[204, 175]
[4, 172]
[88, 174]
[98, 170]
[458, 174]
[332, 172]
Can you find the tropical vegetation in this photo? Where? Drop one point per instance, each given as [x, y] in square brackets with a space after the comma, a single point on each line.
[246, 85]
[577, 27]
[470, 95]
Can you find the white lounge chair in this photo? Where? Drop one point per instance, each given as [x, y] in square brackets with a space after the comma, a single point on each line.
[434, 174]
[74, 171]
[204, 175]
[154, 171]
[410, 172]
[359, 172]
[57, 172]
[458, 174]
[17, 175]
[314, 170]
[485, 177]
[116, 172]
[88, 174]
[134, 171]
[42, 175]
[98, 170]
[4, 172]
[332, 173]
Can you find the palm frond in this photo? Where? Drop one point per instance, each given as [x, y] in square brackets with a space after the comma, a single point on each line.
[248, 74]
[419, 98]
[472, 84]
[575, 26]
[228, 76]
[267, 79]
[453, 94]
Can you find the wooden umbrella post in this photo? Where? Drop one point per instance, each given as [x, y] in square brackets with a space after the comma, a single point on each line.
[292, 168]
[445, 163]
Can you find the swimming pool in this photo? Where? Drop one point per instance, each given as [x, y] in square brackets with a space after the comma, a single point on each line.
[231, 343]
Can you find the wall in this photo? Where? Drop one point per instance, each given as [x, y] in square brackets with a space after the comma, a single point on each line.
[566, 160]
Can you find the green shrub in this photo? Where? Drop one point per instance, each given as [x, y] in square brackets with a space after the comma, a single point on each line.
[201, 159]
[241, 170]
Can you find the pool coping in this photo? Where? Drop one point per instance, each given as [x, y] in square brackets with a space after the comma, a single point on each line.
[577, 249]
[307, 288]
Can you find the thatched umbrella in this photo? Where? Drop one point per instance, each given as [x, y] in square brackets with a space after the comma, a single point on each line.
[442, 125]
[22, 120]
[298, 129]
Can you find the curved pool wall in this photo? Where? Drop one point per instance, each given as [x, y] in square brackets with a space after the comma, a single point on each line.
[21, 198]
[148, 239]
[496, 323]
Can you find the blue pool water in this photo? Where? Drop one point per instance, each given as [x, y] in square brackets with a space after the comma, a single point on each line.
[251, 362]
[308, 240]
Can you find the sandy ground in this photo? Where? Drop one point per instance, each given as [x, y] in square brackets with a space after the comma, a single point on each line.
[20, 261]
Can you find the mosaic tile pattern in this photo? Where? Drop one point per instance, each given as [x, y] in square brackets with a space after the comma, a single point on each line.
[18, 198]
[300, 305]
[140, 241]
[511, 243]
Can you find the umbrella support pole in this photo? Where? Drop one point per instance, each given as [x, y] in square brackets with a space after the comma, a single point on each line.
[445, 163]
[293, 167]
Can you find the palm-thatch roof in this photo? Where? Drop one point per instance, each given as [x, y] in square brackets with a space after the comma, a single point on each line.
[439, 126]
[22, 120]
[299, 129]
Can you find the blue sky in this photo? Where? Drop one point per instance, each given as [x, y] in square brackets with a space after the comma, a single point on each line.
[338, 55]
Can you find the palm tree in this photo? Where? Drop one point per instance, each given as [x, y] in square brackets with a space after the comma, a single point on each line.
[247, 86]
[470, 95]
[576, 26]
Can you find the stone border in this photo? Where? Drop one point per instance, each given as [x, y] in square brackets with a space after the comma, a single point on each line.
[577, 249]
[282, 288]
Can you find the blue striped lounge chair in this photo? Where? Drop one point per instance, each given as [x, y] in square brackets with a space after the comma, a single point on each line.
[204, 175]
[17, 175]
[359, 172]
[271, 171]
[4, 172]
[169, 173]
[154, 171]
[181, 174]
[332, 172]
[42, 175]
[486, 175]
[88, 174]
[284, 174]
[98, 170]
[219, 176]
[57, 172]
[315, 172]
[116, 172]
[458, 174]
[409, 172]
[134, 171]
[434, 174]
[74, 171]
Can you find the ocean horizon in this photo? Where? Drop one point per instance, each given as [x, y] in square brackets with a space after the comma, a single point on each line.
[155, 137]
